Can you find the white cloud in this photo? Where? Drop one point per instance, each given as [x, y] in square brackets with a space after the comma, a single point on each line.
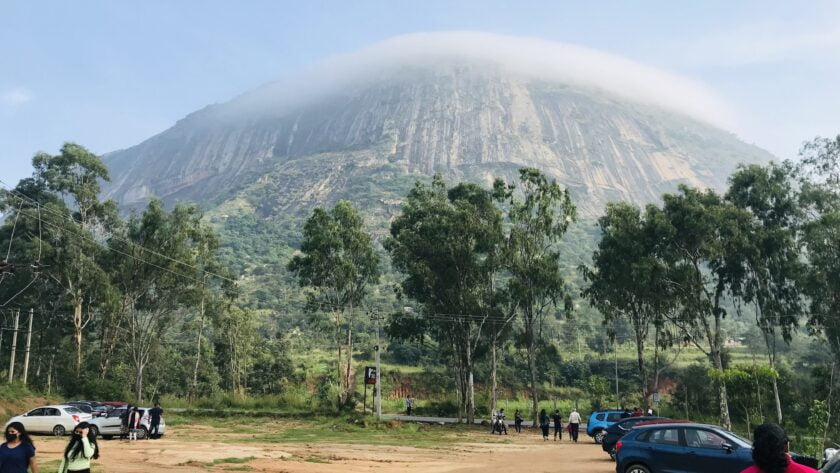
[16, 96]
[530, 57]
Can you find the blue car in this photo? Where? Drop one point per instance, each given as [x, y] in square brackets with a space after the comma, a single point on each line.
[599, 421]
[685, 448]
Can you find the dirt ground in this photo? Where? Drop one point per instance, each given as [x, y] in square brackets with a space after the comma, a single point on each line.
[183, 450]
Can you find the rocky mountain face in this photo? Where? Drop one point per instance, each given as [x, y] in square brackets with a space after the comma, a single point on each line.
[370, 141]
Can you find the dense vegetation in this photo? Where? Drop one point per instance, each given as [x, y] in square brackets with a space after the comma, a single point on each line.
[724, 305]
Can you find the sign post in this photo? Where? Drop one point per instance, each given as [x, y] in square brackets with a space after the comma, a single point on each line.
[371, 377]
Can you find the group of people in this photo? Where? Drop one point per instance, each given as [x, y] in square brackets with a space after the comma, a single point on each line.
[573, 426]
[17, 453]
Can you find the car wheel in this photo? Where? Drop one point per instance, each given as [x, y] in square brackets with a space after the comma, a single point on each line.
[143, 433]
[107, 437]
[637, 469]
[599, 436]
[59, 431]
[94, 430]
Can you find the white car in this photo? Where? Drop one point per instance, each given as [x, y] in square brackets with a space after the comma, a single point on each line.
[108, 425]
[56, 420]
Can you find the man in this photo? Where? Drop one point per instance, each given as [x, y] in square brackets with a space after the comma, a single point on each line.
[574, 423]
[409, 403]
[558, 425]
[155, 414]
[500, 421]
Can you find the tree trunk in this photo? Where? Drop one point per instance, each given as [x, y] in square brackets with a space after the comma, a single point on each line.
[493, 376]
[348, 373]
[470, 388]
[197, 352]
[77, 333]
[640, 359]
[138, 382]
[532, 367]
[725, 421]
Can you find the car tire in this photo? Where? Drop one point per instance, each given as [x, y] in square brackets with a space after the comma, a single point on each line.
[59, 430]
[143, 434]
[637, 468]
[107, 437]
[94, 430]
[599, 436]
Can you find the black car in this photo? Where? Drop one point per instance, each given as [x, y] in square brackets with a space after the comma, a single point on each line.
[617, 430]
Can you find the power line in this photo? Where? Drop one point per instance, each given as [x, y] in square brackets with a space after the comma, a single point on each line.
[111, 235]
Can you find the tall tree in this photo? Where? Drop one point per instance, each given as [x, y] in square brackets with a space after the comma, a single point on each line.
[446, 243]
[339, 262]
[537, 221]
[774, 268]
[628, 280]
[705, 251]
[818, 177]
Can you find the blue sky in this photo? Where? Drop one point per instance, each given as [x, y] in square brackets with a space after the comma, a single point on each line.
[110, 74]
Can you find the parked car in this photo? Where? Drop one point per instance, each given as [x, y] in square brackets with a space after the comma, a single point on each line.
[57, 420]
[613, 433]
[598, 422]
[108, 426]
[686, 448]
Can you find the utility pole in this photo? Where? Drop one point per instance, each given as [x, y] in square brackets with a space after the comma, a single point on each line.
[615, 355]
[377, 400]
[14, 346]
[28, 344]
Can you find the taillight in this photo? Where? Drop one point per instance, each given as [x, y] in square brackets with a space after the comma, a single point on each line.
[618, 446]
[76, 418]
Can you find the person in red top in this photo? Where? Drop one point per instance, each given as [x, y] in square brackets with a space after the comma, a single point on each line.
[771, 452]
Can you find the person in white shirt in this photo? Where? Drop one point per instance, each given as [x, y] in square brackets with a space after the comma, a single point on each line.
[574, 424]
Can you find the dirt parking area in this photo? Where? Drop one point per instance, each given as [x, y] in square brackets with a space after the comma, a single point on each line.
[201, 449]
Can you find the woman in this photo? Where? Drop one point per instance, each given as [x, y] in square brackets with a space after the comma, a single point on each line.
[544, 424]
[517, 421]
[18, 453]
[81, 449]
[771, 452]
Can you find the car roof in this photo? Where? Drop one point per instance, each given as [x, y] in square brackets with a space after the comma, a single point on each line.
[607, 412]
[681, 424]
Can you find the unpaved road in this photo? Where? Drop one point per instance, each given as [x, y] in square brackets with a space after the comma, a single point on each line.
[183, 450]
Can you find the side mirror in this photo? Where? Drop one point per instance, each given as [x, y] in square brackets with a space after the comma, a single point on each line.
[728, 447]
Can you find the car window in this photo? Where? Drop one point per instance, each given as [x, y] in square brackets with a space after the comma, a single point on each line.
[72, 410]
[50, 411]
[698, 438]
[664, 436]
[36, 412]
[599, 417]
[613, 417]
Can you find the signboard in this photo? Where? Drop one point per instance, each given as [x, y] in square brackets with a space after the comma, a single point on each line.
[656, 397]
[370, 375]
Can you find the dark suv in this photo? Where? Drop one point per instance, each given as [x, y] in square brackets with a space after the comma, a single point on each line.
[613, 433]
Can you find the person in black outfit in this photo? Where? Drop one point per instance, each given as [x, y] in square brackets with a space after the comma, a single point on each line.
[124, 422]
[155, 414]
[517, 421]
[500, 422]
[544, 424]
[558, 425]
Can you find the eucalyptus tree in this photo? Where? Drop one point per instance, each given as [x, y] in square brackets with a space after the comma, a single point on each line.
[338, 261]
[628, 280]
[774, 267]
[707, 243]
[538, 214]
[446, 243]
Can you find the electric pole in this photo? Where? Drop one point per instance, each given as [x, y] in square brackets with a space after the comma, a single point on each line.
[377, 402]
[28, 344]
[14, 346]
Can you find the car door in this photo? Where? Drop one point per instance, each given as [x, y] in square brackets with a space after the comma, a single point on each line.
[53, 417]
[709, 451]
[666, 450]
[111, 424]
[34, 420]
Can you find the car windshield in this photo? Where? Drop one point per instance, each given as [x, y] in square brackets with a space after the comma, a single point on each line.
[72, 410]
[742, 442]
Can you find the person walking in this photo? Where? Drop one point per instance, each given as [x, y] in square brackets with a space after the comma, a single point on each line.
[544, 424]
[517, 421]
[574, 423]
[133, 423]
[409, 403]
[124, 422]
[17, 454]
[558, 425]
[155, 415]
[80, 451]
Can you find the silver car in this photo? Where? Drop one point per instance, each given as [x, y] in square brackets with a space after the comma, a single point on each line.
[56, 420]
[108, 425]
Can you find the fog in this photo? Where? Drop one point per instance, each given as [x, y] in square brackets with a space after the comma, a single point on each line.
[529, 57]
